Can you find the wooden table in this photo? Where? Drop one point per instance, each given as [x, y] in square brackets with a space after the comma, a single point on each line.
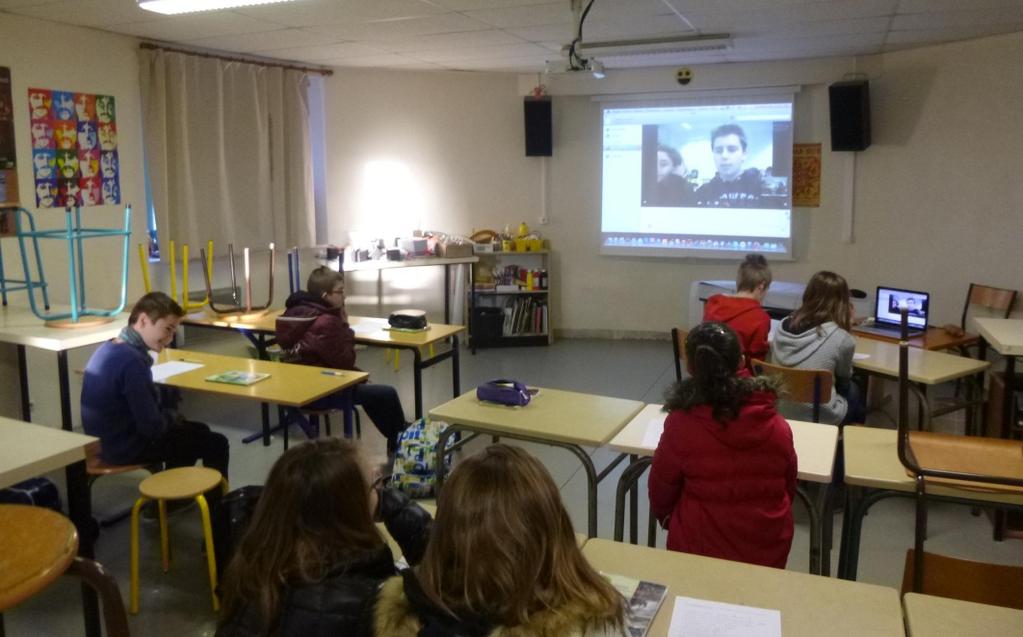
[881, 358]
[368, 331]
[933, 338]
[564, 419]
[927, 615]
[809, 605]
[1005, 336]
[815, 446]
[289, 385]
[28, 450]
[872, 462]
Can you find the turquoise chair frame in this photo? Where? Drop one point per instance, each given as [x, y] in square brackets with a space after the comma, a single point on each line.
[74, 234]
[16, 285]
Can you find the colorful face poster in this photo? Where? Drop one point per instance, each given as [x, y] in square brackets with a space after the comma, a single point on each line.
[8, 159]
[74, 148]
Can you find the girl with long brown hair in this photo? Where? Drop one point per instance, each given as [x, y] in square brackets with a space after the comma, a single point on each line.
[312, 556]
[816, 336]
[502, 561]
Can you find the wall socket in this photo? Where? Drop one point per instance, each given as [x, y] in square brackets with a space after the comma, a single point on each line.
[543, 220]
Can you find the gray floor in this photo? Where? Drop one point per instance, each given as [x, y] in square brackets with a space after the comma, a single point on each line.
[177, 603]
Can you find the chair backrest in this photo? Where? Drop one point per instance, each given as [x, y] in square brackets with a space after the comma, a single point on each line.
[678, 345]
[980, 582]
[800, 385]
[996, 301]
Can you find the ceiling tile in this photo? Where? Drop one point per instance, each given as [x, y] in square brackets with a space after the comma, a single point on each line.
[191, 26]
[90, 13]
[383, 29]
[492, 53]
[310, 12]
[475, 5]
[786, 14]
[931, 6]
[266, 41]
[548, 33]
[465, 40]
[387, 60]
[934, 36]
[948, 19]
[533, 15]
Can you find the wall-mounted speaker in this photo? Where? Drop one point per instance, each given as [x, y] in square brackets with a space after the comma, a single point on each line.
[850, 115]
[539, 133]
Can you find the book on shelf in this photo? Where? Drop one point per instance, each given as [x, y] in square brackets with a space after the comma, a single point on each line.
[644, 599]
[238, 377]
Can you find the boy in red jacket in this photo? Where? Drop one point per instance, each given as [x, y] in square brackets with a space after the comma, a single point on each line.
[724, 472]
[742, 311]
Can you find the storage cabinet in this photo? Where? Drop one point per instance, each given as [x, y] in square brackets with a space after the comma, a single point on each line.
[510, 300]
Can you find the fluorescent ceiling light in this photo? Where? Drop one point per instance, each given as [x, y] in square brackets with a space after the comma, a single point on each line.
[675, 44]
[171, 7]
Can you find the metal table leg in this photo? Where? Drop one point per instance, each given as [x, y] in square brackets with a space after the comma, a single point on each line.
[26, 399]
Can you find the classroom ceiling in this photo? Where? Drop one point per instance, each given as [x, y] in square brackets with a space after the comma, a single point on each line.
[522, 35]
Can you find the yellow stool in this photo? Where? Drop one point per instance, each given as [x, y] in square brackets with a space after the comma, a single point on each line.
[182, 483]
[396, 353]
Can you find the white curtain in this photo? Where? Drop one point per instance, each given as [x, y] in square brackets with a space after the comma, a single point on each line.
[227, 151]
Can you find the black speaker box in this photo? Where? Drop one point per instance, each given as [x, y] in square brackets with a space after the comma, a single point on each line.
[850, 115]
[539, 137]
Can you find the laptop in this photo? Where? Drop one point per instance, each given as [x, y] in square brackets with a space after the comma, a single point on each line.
[887, 317]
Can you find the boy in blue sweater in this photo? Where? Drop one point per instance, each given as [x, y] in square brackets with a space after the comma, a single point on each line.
[121, 405]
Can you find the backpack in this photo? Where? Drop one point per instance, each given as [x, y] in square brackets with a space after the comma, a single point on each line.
[414, 472]
[40, 492]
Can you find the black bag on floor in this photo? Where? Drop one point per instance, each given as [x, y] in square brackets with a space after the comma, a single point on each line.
[236, 511]
[40, 492]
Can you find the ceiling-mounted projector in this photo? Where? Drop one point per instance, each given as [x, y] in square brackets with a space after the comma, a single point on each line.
[590, 65]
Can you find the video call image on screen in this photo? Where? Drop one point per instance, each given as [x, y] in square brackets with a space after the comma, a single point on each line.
[890, 301]
[697, 180]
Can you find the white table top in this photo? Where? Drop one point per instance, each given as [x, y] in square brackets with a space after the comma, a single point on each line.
[553, 414]
[809, 604]
[1004, 335]
[928, 615]
[19, 326]
[815, 443]
[413, 262]
[927, 367]
[872, 460]
[28, 450]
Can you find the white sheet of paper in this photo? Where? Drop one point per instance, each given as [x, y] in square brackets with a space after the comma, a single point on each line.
[775, 326]
[702, 618]
[654, 428]
[368, 327]
[860, 357]
[164, 371]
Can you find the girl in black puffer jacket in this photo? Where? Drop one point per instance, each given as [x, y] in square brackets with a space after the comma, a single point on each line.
[312, 556]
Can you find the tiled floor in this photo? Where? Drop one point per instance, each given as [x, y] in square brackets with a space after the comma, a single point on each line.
[177, 603]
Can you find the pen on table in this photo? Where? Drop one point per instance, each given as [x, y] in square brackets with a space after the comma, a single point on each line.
[327, 372]
[186, 360]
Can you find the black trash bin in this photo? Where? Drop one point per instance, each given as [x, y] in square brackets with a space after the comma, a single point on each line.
[486, 325]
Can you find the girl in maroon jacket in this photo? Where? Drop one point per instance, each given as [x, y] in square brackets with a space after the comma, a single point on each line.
[724, 473]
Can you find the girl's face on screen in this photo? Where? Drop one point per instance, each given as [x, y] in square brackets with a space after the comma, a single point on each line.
[664, 165]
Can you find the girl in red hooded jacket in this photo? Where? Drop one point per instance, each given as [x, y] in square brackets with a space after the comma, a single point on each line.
[724, 472]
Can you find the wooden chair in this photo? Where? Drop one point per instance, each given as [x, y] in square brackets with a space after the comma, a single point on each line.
[801, 385]
[980, 582]
[39, 545]
[997, 302]
[678, 345]
[970, 462]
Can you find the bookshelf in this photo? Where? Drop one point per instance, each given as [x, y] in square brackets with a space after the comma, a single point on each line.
[510, 300]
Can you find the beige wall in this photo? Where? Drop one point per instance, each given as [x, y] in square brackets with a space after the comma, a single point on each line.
[49, 55]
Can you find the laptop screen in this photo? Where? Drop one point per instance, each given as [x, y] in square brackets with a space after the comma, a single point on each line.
[889, 300]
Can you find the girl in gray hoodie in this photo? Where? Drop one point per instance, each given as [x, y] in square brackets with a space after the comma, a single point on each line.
[816, 336]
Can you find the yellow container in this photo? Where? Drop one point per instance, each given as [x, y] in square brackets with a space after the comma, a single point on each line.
[507, 245]
[521, 245]
[535, 245]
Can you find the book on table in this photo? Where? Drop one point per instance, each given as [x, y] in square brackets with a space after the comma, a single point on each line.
[238, 377]
[644, 598]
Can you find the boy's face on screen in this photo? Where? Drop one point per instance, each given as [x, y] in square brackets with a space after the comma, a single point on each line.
[728, 156]
[159, 333]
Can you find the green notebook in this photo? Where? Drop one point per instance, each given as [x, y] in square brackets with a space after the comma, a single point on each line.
[237, 377]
